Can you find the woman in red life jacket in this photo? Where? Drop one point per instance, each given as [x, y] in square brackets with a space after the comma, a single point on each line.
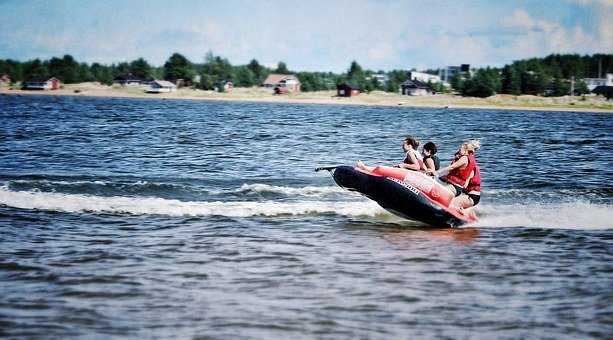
[464, 176]
[473, 189]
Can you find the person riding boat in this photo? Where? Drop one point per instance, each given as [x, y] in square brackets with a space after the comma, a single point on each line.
[413, 159]
[473, 190]
[464, 172]
[431, 161]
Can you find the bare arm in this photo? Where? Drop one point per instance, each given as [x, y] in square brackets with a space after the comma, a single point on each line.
[429, 164]
[462, 162]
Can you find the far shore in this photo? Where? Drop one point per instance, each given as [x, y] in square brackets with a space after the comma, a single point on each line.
[375, 98]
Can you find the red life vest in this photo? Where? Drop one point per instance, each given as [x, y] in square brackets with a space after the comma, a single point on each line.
[475, 182]
[460, 177]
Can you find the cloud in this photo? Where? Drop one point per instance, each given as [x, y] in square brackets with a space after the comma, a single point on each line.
[539, 36]
[315, 35]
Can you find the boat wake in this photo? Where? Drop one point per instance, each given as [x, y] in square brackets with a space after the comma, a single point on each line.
[75, 203]
[553, 215]
[564, 215]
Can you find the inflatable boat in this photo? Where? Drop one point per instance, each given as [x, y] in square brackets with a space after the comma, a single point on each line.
[405, 193]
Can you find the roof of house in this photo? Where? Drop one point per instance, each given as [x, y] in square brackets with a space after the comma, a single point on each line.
[603, 89]
[164, 83]
[274, 79]
[127, 77]
[349, 85]
[415, 84]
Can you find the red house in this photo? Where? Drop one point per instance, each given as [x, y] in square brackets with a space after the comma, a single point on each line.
[347, 90]
[42, 83]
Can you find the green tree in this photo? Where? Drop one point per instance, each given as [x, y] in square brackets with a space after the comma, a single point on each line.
[281, 68]
[534, 82]
[84, 74]
[457, 83]
[486, 82]
[207, 82]
[120, 69]
[244, 76]
[258, 71]
[511, 80]
[101, 73]
[217, 69]
[12, 68]
[34, 69]
[178, 67]
[357, 76]
[581, 87]
[392, 86]
[560, 88]
[140, 68]
[65, 69]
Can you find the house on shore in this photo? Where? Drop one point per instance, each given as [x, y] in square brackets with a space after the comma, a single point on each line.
[282, 83]
[604, 90]
[347, 90]
[416, 88]
[593, 83]
[42, 83]
[161, 86]
[127, 80]
[181, 82]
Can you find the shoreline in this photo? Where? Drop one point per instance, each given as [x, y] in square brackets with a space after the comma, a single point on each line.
[381, 99]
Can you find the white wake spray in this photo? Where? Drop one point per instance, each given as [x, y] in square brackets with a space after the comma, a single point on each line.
[564, 215]
[560, 215]
[159, 206]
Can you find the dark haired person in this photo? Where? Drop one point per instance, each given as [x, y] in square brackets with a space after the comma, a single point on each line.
[412, 159]
[431, 161]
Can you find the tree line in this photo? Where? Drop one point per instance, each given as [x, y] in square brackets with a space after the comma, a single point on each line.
[550, 76]
[537, 76]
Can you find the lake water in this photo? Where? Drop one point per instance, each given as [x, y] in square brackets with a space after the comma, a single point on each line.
[180, 219]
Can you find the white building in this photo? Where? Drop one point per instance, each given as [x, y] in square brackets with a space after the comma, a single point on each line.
[592, 83]
[424, 77]
[161, 86]
[451, 71]
[382, 79]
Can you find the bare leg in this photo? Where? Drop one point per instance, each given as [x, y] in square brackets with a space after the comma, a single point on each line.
[463, 201]
[361, 165]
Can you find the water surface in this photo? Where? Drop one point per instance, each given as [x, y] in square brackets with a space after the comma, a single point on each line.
[163, 218]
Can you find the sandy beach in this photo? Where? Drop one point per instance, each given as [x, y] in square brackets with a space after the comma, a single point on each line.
[375, 98]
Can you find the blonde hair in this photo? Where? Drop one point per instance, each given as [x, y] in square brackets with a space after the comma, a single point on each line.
[472, 145]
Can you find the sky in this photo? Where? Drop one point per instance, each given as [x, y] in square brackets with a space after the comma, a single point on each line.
[307, 35]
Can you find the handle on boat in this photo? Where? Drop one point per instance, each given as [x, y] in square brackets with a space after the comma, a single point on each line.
[328, 168]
